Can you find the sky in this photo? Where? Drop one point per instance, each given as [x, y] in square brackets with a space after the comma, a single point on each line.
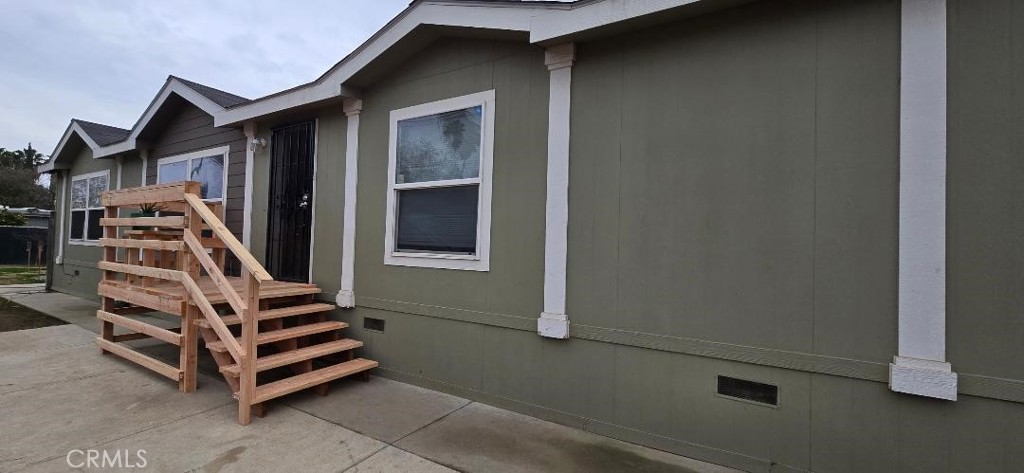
[105, 60]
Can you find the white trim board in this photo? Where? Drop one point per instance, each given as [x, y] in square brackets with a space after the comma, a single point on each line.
[84, 241]
[250, 162]
[224, 151]
[476, 262]
[920, 367]
[312, 198]
[75, 128]
[172, 86]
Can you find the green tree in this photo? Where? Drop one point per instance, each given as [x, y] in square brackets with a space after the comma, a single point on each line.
[13, 220]
[19, 185]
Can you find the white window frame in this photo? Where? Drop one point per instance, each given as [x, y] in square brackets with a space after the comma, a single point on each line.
[224, 151]
[481, 260]
[84, 241]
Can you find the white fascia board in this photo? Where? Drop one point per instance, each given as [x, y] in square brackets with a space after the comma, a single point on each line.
[172, 86]
[331, 85]
[595, 15]
[73, 127]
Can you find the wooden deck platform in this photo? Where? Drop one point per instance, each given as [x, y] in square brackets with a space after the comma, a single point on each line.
[172, 294]
[252, 323]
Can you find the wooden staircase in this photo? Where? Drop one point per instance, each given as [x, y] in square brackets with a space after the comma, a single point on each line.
[256, 328]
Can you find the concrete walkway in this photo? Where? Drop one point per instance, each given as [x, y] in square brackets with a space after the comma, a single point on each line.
[58, 394]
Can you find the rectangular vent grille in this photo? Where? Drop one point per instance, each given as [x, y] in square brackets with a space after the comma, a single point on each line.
[377, 325]
[748, 390]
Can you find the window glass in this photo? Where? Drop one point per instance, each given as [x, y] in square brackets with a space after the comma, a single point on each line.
[439, 147]
[97, 185]
[77, 225]
[173, 172]
[95, 231]
[209, 172]
[439, 219]
[79, 193]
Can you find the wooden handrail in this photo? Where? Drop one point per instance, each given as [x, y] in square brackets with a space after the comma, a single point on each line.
[232, 243]
[234, 300]
[214, 319]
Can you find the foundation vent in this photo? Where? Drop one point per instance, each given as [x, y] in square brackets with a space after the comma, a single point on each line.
[750, 391]
[377, 325]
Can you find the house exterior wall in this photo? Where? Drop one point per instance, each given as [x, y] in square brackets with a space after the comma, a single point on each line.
[191, 129]
[77, 275]
[733, 211]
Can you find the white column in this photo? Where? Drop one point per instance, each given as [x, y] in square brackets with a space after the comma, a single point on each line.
[120, 168]
[346, 296]
[250, 162]
[920, 367]
[553, 322]
[144, 154]
[64, 176]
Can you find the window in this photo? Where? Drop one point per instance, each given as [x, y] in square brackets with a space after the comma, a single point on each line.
[86, 208]
[205, 167]
[439, 189]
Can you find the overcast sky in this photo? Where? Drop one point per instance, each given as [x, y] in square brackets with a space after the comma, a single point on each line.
[104, 60]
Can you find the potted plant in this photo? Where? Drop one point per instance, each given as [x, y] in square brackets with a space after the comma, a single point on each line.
[146, 210]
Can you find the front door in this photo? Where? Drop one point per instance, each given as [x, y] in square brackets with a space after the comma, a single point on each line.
[290, 218]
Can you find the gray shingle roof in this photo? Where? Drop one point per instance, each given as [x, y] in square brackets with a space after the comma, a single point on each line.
[103, 135]
[219, 97]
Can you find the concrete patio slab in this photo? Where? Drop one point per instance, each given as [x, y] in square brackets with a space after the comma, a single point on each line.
[48, 338]
[396, 460]
[381, 408]
[62, 394]
[211, 441]
[58, 365]
[51, 419]
[480, 438]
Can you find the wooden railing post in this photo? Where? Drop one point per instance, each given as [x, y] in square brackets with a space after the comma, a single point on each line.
[110, 255]
[188, 358]
[247, 368]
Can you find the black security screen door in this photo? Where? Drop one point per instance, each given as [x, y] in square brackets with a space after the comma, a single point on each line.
[291, 202]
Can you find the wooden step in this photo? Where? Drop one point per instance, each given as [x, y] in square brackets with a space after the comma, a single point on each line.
[285, 334]
[275, 313]
[302, 354]
[285, 386]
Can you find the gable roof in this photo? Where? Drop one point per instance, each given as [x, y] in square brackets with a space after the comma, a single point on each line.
[102, 134]
[217, 96]
[208, 99]
[106, 140]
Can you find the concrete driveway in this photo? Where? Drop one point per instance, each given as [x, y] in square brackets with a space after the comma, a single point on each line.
[60, 400]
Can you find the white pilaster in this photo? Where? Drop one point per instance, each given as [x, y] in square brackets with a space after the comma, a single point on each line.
[250, 162]
[346, 296]
[64, 176]
[553, 322]
[920, 367]
[144, 154]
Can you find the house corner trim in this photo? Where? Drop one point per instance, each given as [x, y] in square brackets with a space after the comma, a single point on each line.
[553, 321]
[250, 157]
[346, 296]
[920, 367]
